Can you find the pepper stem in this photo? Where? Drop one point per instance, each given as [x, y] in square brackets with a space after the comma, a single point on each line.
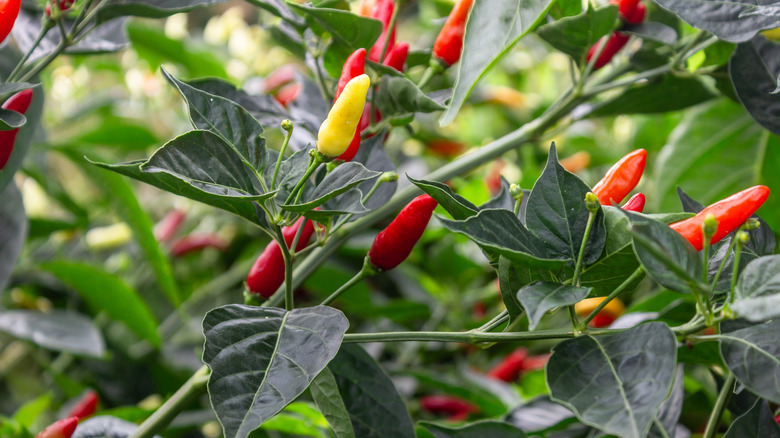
[618, 290]
[288, 128]
[367, 271]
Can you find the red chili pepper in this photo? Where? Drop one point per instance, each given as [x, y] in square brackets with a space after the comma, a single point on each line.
[396, 58]
[60, 429]
[64, 5]
[493, 178]
[279, 77]
[731, 213]
[383, 11]
[267, 274]
[510, 368]
[621, 178]
[9, 11]
[287, 94]
[394, 244]
[354, 66]
[86, 406]
[19, 102]
[638, 15]
[197, 242]
[535, 362]
[168, 225]
[455, 407]
[615, 42]
[635, 203]
[449, 43]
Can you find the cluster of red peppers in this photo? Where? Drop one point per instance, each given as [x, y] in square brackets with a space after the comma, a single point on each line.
[631, 12]
[64, 428]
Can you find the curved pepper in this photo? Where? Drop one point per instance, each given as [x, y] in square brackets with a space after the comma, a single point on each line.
[731, 213]
[86, 406]
[635, 203]
[454, 407]
[621, 178]
[9, 11]
[338, 130]
[394, 244]
[267, 274]
[60, 429]
[613, 45]
[449, 42]
[19, 102]
[383, 11]
[396, 57]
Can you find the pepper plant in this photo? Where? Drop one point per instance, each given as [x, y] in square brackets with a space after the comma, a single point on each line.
[308, 164]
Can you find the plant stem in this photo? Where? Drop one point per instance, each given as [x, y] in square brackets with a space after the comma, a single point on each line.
[495, 322]
[46, 27]
[723, 263]
[193, 388]
[389, 31]
[344, 287]
[578, 267]
[720, 405]
[297, 238]
[287, 135]
[471, 337]
[313, 165]
[735, 272]
[289, 304]
[618, 290]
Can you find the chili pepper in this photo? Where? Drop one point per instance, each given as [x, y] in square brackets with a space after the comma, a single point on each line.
[635, 203]
[638, 15]
[449, 42]
[730, 213]
[168, 225]
[577, 162]
[510, 368]
[606, 316]
[354, 66]
[394, 244]
[64, 5]
[287, 94]
[86, 406]
[267, 274]
[535, 362]
[197, 242]
[621, 178]
[383, 11]
[455, 407]
[60, 429]
[279, 77]
[396, 57]
[613, 45]
[9, 11]
[445, 147]
[19, 102]
[338, 130]
[493, 178]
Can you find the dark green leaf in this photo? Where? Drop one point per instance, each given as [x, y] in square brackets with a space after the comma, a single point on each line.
[731, 20]
[505, 200]
[57, 330]
[651, 97]
[666, 256]
[325, 393]
[655, 31]
[107, 293]
[491, 30]
[264, 108]
[757, 293]
[758, 422]
[666, 421]
[348, 203]
[153, 46]
[574, 36]
[629, 373]
[752, 353]
[375, 408]
[8, 88]
[262, 358]
[510, 280]
[457, 206]
[756, 82]
[13, 231]
[373, 156]
[398, 95]
[538, 298]
[338, 181]
[500, 231]
[10, 119]
[540, 414]
[150, 8]
[105, 426]
[480, 429]
[556, 213]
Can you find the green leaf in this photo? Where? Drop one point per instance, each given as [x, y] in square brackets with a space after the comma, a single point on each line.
[153, 46]
[104, 426]
[457, 206]
[731, 20]
[205, 161]
[500, 231]
[756, 82]
[647, 98]
[150, 8]
[264, 107]
[540, 297]
[757, 293]
[574, 36]
[510, 279]
[374, 406]
[758, 422]
[541, 414]
[227, 119]
[397, 95]
[628, 373]
[13, 231]
[30, 412]
[753, 355]
[57, 330]
[666, 256]
[106, 293]
[325, 393]
[479, 429]
[261, 359]
[338, 181]
[491, 30]
[11, 119]
[669, 415]
[8, 88]
[557, 214]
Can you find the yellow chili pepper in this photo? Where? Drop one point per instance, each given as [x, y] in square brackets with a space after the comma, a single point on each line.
[337, 131]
